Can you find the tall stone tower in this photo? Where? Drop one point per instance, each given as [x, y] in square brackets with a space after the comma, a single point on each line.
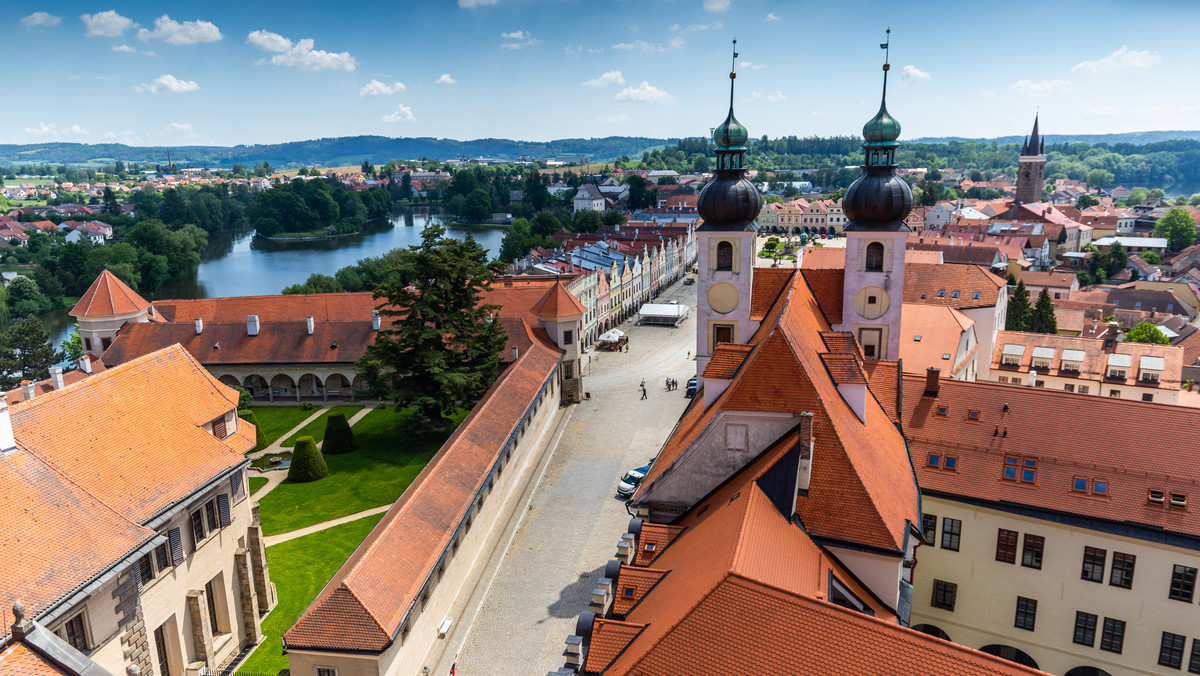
[876, 205]
[1031, 171]
[729, 205]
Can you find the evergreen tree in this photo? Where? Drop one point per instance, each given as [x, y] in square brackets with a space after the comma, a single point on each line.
[26, 353]
[111, 206]
[1018, 310]
[339, 438]
[307, 462]
[1042, 319]
[444, 351]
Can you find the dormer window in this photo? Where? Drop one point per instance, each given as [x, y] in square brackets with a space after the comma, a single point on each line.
[1151, 369]
[1012, 354]
[873, 262]
[218, 428]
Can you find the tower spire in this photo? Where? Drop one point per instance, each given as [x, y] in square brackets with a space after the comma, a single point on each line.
[886, 46]
[732, 75]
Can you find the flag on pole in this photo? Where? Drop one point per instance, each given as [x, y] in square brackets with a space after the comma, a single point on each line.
[452, 668]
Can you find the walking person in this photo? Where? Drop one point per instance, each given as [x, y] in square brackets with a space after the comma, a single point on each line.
[643, 391]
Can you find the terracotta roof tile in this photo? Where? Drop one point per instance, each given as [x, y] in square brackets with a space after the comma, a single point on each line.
[324, 307]
[956, 284]
[57, 535]
[17, 660]
[940, 330]
[767, 284]
[44, 386]
[844, 368]
[278, 342]
[1095, 360]
[559, 303]
[632, 584]
[884, 378]
[826, 287]
[108, 296]
[661, 535]
[148, 416]
[726, 360]
[1034, 415]
[387, 572]
[609, 638]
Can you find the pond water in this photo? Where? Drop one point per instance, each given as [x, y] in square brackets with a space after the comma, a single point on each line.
[239, 264]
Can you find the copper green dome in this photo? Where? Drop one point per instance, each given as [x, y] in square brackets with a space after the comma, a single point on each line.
[881, 128]
[731, 133]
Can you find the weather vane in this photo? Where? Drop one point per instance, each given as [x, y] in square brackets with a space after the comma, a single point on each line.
[732, 74]
[886, 50]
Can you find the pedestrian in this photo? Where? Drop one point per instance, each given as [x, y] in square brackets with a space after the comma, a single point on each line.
[668, 384]
[643, 391]
[689, 354]
[643, 385]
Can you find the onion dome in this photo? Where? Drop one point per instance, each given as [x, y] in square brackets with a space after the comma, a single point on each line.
[730, 201]
[878, 199]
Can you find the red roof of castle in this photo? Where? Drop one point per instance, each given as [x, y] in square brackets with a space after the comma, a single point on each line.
[108, 295]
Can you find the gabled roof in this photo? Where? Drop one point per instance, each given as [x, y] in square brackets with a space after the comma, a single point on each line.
[133, 436]
[279, 342]
[956, 284]
[107, 296]
[1035, 414]
[726, 360]
[558, 303]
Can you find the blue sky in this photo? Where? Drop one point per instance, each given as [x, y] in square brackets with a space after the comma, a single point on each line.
[252, 72]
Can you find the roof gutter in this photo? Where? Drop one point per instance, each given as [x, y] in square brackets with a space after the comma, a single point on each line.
[164, 515]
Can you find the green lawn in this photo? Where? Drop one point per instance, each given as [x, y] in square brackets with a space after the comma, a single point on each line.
[275, 420]
[316, 428]
[256, 482]
[299, 568]
[386, 462]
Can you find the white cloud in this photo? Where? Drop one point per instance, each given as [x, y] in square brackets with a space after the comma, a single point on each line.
[125, 49]
[472, 4]
[1122, 59]
[1102, 111]
[268, 41]
[181, 33]
[747, 65]
[51, 131]
[523, 39]
[375, 88]
[445, 79]
[612, 77]
[576, 50]
[641, 45]
[40, 20]
[180, 126]
[716, 5]
[754, 96]
[107, 77]
[987, 93]
[914, 75]
[616, 117]
[126, 137]
[644, 93]
[106, 24]
[302, 55]
[771, 17]
[1041, 88]
[168, 83]
[691, 28]
[403, 114]
[776, 97]
[149, 53]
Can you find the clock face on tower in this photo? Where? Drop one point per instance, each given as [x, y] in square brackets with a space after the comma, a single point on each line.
[723, 297]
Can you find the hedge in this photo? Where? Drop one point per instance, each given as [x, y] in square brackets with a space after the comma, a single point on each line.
[307, 462]
[339, 438]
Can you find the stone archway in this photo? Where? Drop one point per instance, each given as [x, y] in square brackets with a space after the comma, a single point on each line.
[337, 386]
[932, 630]
[1011, 654]
[311, 386]
[229, 380]
[1087, 671]
[359, 384]
[257, 386]
[282, 385]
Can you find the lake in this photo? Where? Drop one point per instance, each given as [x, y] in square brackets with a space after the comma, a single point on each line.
[239, 264]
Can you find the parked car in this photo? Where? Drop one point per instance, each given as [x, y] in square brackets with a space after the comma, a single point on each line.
[689, 280]
[692, 386]
[632, 479]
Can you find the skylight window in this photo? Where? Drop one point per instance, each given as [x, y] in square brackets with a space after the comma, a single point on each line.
[973, 415]
[1019, 466]
[942, 293]
[1100, 487]
[628, 592]
[934, 459]
[917, 339]
[1157, 497]
[976, 295]
[951, 463]
[1080, 485]
[954, 295]
[942, 410]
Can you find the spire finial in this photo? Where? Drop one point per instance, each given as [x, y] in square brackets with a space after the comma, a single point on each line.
[887, 52]
[732, 73]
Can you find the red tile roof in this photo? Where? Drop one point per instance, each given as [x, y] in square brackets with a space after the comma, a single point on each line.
[147, 417]
[323, 307]
[767, 284]
[633, 583]
[726, 360]
[364, 605]
[227, 343]
[558, 303]
[1034, 415]
[609, 638]
[940, 330]
[826, 286]
[1095, 362]
[958, 285]
[661, 535]
[108, 296]
[17, 660]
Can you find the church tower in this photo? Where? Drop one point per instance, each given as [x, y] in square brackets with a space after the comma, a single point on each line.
[1031, 171]
[729, 205]
[876, 205]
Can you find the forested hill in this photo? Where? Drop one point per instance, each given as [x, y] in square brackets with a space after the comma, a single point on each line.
[328, 152]
[352, 150]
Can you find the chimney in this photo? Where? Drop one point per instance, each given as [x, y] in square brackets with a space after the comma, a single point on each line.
[933, 381]
[375, 320]
[85, 364]
[56, 377]
[251, 325]
[29, 389]
[515, 353]
[804, 440]
[199, 326]
[309, 321]
[1031, 379]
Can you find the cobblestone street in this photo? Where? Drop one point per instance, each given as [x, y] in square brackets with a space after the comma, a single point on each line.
[567, 524]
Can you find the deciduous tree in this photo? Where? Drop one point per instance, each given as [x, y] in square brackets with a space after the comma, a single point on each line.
[1145, 332]
[1178, 227]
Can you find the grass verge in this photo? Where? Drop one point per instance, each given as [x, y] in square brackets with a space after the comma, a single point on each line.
[275, 420]
[316, 428]
[299, 568]
[256, 482]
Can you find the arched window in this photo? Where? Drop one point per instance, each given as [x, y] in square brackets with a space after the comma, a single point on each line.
[724, 256]
[874, 261]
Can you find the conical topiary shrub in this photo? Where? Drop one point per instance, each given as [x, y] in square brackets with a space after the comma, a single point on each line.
[307, 462]
[339, 438]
